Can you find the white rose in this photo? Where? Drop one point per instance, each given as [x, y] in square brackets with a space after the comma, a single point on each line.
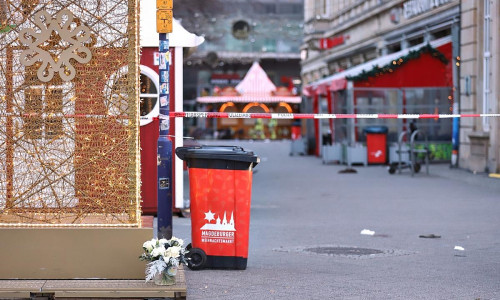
[173, 252]
[149, 245]
[180, 241]
[163, 241]
[158, 251]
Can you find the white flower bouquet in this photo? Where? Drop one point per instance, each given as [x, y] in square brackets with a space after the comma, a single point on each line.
[164, 257]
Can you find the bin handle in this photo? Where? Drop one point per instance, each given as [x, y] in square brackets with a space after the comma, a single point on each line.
[181, 151]
[226, 146]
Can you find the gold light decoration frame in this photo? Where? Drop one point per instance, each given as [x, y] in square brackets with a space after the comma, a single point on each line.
[66, 159]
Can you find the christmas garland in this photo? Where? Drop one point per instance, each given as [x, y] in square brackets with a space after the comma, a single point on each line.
[393, 65]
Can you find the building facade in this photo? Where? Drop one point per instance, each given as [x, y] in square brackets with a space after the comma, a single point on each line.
[341, 36]
[479, 77]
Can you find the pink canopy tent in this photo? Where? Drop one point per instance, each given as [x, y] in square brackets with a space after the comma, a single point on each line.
[255, 87]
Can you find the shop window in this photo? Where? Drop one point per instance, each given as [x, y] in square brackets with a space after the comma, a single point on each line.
[345, 64]
[340, 107]
[369, 55]
[394, 48]
[148, 96]
[357, 59]
[376, 101]
[431, 101]
[441, 33]
[269, 8]
[416, 41]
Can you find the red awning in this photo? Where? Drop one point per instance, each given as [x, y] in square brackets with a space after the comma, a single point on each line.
[307, 91]
[338, 84]
[321, 89]
[416, 73]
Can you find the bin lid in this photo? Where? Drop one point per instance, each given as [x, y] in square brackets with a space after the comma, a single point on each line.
[234, 153]
[376, 129]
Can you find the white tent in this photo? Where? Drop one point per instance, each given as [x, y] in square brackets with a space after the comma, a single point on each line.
[179, 37]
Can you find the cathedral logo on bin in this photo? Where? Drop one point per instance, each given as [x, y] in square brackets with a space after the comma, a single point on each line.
[218, 230]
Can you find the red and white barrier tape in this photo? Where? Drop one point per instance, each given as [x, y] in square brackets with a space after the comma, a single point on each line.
[59, 115]
[222, 115]
[322, 116]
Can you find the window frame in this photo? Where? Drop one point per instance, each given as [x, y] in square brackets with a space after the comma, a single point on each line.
[155, 112]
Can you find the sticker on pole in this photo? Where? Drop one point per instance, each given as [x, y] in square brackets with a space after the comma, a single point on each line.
[222, 231]
[164, 183]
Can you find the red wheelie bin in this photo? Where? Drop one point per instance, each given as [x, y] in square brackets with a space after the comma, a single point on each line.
[376, 144]
[220, 183]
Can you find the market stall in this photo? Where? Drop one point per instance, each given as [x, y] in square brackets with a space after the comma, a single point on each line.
[256, 93]
[417, 80]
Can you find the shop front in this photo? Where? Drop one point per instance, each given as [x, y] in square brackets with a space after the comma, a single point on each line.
[417, 80]
[256, 93]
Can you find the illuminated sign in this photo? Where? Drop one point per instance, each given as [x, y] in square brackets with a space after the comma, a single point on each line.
[414, 8]
[332, 42]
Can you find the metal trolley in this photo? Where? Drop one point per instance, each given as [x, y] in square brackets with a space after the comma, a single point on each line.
[413, 153]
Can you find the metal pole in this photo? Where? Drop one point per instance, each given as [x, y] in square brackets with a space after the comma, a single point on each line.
[178, 106]
[164, 144]
[455, 135]
[486, 64]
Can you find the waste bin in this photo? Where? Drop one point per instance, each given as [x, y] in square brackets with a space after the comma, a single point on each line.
[376, 144]
[296, 130]
[220, 182]
[297, 144]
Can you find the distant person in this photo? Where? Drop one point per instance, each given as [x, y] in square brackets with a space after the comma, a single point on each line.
[205, 92]
[413, 127]
[272, 128]
[259, 130]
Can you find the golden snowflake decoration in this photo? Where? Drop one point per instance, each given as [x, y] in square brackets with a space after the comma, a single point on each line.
[58, 40]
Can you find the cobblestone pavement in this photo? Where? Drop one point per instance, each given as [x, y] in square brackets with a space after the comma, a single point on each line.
[305, 241]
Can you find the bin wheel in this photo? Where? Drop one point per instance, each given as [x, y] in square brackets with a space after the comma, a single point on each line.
[392, 168]
[416, 168]
[196, 259]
